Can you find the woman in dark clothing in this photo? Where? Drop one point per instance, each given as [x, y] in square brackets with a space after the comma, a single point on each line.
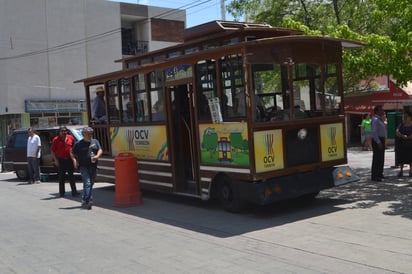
[404, 133]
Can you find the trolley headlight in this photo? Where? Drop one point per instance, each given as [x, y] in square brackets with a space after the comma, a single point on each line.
[302, 133]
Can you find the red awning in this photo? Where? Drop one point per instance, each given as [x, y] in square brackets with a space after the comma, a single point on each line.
[359, 104]
[392, 99]
[393, 95]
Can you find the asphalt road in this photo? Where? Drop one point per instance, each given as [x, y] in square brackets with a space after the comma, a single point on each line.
[364, 227]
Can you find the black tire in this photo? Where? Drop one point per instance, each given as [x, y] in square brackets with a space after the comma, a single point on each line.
[22, 174]
[229, 197]
[309, 196]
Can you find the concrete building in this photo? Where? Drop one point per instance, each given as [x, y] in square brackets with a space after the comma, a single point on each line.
[45, 45]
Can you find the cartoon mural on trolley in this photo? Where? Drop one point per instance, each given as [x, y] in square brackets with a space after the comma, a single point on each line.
[224, 144]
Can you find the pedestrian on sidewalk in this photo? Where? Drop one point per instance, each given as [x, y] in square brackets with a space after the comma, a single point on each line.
[404, 133]
[379, 135]
[33, 156]
[61, 147]
[85, 154]
[366, 131]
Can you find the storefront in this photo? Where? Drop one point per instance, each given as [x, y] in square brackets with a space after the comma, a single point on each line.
[43, 113]
[392, 99]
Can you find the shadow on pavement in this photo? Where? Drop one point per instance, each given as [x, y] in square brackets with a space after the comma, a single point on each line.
[367, 194]
[209, 218]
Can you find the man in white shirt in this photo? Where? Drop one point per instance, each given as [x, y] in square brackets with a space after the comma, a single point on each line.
[33, 156]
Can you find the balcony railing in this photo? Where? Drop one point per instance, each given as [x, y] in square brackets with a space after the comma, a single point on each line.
[135, 47]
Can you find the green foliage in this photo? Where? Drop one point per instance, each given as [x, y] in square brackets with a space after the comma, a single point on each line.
[236, 140]
[384, 25]
[240, 159]
[210, 140]
[245, 145]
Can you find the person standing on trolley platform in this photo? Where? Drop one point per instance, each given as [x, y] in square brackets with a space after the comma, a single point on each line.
[85, 154]
[61, 146]
[99, 106]
[379, 135]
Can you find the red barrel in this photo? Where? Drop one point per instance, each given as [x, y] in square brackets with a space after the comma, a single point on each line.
[127, 186]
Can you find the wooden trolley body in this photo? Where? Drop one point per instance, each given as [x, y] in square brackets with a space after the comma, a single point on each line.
[242, 112]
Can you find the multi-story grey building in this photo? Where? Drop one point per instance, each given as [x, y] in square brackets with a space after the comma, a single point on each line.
[45, 45]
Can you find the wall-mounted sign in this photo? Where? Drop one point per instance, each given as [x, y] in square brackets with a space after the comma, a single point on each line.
[39, 106]
[178, 72]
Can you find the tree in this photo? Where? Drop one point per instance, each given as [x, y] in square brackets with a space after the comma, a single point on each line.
[384, 25]
[210, 140]
[236, 140]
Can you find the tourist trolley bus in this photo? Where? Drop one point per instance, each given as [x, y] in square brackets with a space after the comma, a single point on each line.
[246, 113]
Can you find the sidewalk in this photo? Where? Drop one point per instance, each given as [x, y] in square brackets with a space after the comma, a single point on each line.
[363, 227]
[359, 159]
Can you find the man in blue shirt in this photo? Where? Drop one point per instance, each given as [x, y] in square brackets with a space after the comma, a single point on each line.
[379, 134]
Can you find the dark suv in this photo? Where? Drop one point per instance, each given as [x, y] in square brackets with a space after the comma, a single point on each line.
[15, 151]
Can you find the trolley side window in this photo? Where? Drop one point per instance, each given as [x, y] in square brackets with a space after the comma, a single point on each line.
[333, 99]
[206, 87]
[271, 92]
[140, 98]
[126, 101]
[157, 99]
[113, 101]
[315, 95]
[306, 83]
[315, 91]
[233, 87]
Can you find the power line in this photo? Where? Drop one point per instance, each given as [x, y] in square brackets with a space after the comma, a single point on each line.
[65, 45]
[165, 14]
[176, 10]
[199, 10]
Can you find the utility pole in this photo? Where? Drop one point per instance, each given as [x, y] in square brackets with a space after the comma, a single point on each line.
[222, 10]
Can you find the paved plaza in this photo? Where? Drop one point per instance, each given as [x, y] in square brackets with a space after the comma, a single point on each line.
[365, 227]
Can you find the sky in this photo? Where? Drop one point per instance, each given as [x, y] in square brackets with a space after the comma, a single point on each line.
[197, 11]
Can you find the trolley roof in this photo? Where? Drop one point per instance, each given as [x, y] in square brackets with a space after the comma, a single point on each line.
[199, 37]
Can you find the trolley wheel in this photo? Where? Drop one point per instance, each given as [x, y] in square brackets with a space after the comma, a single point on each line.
[229, 197]
[309, 196]
[22, 174]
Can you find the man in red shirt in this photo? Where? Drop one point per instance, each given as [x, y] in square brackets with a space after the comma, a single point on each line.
[61, 147]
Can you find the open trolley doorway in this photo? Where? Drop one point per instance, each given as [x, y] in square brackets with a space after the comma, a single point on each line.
[183, 134]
